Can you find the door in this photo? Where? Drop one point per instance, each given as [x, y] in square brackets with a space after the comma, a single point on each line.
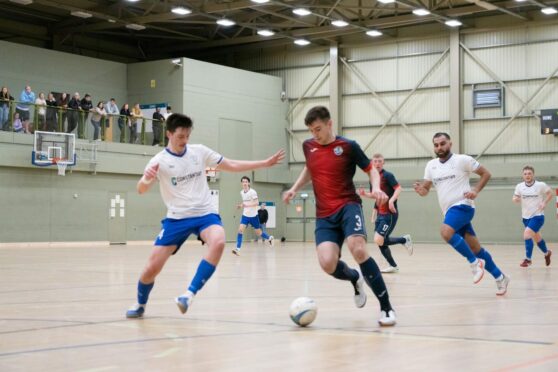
[117, 217]
[235, 142]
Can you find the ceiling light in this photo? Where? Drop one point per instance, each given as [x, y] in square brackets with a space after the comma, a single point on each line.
[421, 12]
[302, 11]
[374, 33]
[135, 26]
[266, 33]
[301, 42]
[260, 1]
[339, 23]
[81, 14]
[111, 20]
[180, 10]
[133, 1]
[453, 23]
[549, 10]
[386, 1]
[521, 1]
[225, 22]
[22, 2]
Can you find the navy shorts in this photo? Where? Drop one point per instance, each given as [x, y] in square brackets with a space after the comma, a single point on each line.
[385, 223]
[534, 223]
[459, 217]
[340, 225]
[175, 232]
[254, 221]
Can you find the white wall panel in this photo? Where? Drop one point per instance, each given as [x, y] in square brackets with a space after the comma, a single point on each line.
[508, 63]
[299, 112]
[381, 75]
[298, 80]
[492, 38]
[541, 59]
[413, 69]
[423, 46]
[363, 110]
[303, 59]
[424, 106]
[371, 52]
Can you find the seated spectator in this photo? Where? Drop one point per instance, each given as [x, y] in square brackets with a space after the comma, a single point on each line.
[17, 124]
[5, 98]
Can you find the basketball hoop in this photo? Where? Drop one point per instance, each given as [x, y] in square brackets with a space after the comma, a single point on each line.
[61, 166]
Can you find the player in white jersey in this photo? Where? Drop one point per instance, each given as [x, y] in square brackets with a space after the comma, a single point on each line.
[180, 169]
[450, 174]
[533, 196]
[250, 205]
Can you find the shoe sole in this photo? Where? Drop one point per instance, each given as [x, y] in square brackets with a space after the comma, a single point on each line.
[181, 307]
[235, 252]
[134, 316]
[547, 258]
[506, 291]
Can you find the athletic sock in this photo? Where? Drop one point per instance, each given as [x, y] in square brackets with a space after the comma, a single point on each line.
[462, 247]
[528, 248]
[542, 246]
[143, 292]
[489, 264]
[386, 252]
[392, 241]
[204, 272]
[373, 278]
[344, 272]
[238, 240]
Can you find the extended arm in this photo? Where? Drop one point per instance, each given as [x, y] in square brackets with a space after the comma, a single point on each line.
[302, 180]
[232, 165]
[484, 177]
[148, 178]
[422, 187]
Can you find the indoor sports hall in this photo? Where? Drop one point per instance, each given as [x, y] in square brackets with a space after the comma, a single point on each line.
[89, 93]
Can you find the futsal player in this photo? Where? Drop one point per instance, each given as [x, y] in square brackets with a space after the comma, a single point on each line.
[249, 207]
[331, 163]
[180, 170]
[533, 196]
[450, 174]
[384, 216]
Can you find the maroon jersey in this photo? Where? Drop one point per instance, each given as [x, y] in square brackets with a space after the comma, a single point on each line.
[332, 168]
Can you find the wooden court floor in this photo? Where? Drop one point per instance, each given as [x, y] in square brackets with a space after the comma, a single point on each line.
[62, 309]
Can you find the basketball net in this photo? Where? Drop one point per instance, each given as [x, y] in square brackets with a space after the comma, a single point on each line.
[61, 166]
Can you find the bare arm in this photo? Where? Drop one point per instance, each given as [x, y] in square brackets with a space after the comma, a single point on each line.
[232, 165]
[422, 187]
[377, 192]
[393, 199]
[485, 176]
[545, 201]
[147, 180]
[302, 180]
[516, 198]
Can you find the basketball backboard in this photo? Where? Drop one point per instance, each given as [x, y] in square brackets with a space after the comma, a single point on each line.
[51, 148]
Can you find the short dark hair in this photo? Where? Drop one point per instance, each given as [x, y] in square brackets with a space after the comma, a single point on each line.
[169, 108]
[529, 167]
[440, 134]
[178, 121]
[317, 113]
[245, 178]
[112, 99]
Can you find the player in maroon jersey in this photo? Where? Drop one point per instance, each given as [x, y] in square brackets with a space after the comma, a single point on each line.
[331, 163]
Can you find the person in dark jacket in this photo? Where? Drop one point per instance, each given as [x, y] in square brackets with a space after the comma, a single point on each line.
[263, 216]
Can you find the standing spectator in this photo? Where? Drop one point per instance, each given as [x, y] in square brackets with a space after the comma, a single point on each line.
[136, 114]
[124, 120]
[86, 106]
[73, 112]
[5, 99]
[62, 104]
[157, 125]
[26, 97]
[18, 126]
[263, 216]
[112, 112]
[40, 106]
[98, 114]
[166, 116]
[51, 113]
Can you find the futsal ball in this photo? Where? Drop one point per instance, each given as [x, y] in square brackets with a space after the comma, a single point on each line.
[303, 311]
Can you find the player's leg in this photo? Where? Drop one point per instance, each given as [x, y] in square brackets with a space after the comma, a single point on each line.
[535, 224]
[456, 218]
[157, 259]
[213, 233]
[404, 240]
[383, 227]
[502, 280]
[255, 221]
[528, 239]
[239, 236]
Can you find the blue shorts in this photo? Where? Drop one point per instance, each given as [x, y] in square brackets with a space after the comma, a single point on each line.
[459, 217]
[340, 225]
[254, 221]
[385, 223]
[175, 232]
[534, 223]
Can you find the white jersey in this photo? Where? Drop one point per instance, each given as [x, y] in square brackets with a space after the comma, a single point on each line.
[249, 197]
[451, 179]
[531, 198]
[182, 180]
